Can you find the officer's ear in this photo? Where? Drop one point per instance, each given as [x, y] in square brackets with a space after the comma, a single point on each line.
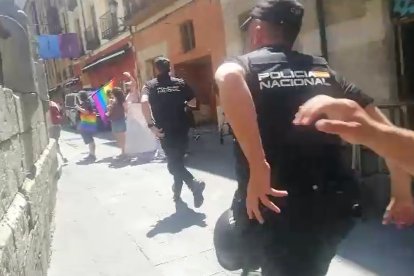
[258, 34]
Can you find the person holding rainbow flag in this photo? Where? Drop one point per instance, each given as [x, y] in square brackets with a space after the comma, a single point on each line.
[87, 125]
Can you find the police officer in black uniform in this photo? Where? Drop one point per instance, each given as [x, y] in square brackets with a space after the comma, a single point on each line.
[164, 100]
[299, 192]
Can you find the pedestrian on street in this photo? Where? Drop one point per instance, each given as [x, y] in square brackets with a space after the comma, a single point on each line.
[132, 88]
[87, 124]
[56, 119]
[292, 179]
[163, 105]
[139, 139]
[116, 114]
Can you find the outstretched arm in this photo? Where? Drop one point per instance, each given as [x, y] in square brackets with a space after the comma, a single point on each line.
[371, 128]
[240, 111]
[400, 181]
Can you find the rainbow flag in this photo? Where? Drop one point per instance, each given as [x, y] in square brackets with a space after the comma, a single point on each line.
[100, 98]
[88, 123]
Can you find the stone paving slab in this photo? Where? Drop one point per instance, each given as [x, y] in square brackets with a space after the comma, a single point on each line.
[119, 219]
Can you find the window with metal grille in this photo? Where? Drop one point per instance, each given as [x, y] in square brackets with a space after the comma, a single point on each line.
[187, 36]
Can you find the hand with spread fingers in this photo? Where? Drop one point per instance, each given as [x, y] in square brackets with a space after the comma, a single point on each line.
[259, 190]
[400, 212]
[353, 124]
[342, 117]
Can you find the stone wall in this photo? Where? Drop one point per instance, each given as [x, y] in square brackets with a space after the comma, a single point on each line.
[361, 45]
[28, 177]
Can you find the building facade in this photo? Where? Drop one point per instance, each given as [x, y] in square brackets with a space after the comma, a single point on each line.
[29, 168]
[107, 42]
[52, 17]
[191, 34]
[357, 37]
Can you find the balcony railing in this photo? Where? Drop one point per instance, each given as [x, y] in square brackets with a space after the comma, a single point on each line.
[109, 25]
[136, 11]
[92, 38]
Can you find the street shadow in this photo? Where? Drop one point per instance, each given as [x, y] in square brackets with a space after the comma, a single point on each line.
[183, 218]
[115, 163]
[85, 162]
[102, 134]
[207, 154]
[383, 250]
[111, 144]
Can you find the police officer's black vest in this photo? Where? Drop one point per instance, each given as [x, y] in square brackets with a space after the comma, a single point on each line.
[280, 82]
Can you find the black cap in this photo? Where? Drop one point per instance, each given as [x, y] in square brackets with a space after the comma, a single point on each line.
[163, 64]
[277, 12]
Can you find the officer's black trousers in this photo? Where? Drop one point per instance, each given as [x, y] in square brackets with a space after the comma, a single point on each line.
[175, 145]
[300, 241]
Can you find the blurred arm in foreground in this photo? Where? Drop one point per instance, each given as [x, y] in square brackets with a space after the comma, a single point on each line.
[372, 129]
[354, 125]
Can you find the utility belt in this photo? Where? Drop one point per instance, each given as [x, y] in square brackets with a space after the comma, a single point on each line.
[314, 205]
[334, 213]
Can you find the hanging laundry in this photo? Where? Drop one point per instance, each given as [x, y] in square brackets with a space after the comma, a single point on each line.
[49, 46]
[69, 45]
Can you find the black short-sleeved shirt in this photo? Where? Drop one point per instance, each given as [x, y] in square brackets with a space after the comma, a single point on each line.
[167, 97]
[350, 90]
[280, 82]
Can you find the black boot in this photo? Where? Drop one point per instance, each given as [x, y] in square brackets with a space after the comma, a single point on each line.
[197, 187]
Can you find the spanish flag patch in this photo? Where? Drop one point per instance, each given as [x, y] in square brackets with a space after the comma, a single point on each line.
[320, 74]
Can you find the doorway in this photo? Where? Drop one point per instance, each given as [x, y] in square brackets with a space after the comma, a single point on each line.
[405, 51]
[198, 73]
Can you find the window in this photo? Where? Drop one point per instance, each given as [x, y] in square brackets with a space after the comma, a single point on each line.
[149, 68]
[64, 75]
[187, 36]
[65, 23]
[1, 71]
[35, 18]
[243, 33]
[94, 18]
[70, 71]
[78, 31]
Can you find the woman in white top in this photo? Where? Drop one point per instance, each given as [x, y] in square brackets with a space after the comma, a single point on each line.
[139, 138]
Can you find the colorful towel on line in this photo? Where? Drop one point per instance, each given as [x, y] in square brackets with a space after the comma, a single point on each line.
[100, 98]
[88, 123]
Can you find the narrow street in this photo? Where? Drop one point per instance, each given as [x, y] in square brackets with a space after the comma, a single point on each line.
[118, 219]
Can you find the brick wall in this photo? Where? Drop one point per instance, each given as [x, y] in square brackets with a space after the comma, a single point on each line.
[28, 177]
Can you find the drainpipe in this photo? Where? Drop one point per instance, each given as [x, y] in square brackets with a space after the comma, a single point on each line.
[134, 51]
[83, 15]
[320, 10]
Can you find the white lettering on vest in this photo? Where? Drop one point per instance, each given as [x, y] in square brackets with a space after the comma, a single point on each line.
[291, 78]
